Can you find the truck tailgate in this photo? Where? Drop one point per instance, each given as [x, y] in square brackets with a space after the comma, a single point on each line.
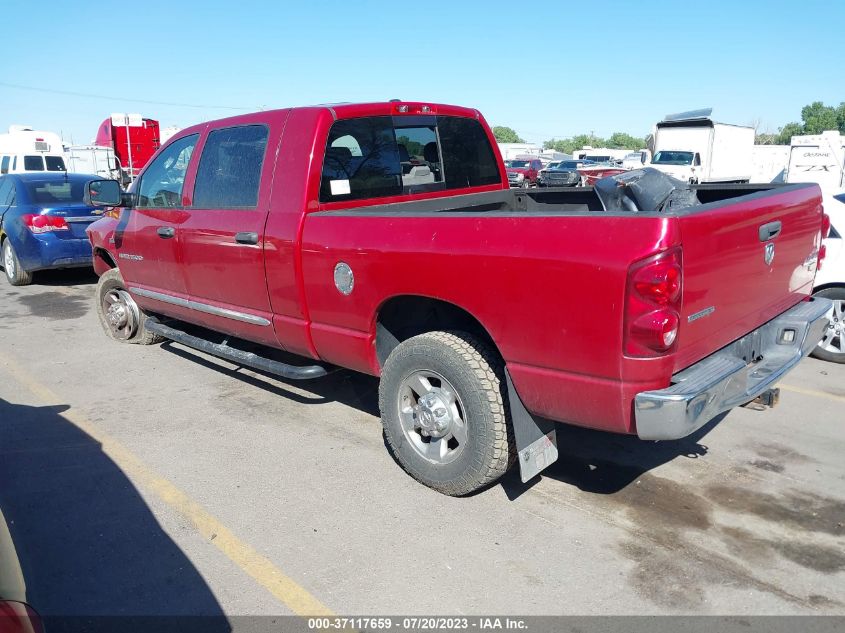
[730, 285]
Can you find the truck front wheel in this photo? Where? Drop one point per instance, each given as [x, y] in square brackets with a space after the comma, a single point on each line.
[119, 315]
[443, 411]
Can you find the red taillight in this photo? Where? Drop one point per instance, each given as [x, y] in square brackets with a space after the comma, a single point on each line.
[44, 223]
[822, 255]
[413, 108]
[825, 225]
[653, 304]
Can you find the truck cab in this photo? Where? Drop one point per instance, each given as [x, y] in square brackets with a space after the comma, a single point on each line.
[24, 149]
[681, 164]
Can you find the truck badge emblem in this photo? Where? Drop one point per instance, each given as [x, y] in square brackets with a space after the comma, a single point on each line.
[769, 253]
[344, 280]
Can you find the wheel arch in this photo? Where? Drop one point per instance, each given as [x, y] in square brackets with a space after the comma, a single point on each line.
[103, 260]
[402, 316]
[827, 286]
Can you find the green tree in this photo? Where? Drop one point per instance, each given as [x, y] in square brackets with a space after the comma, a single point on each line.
[506, 135]
[621, 140]
[840, 117]
[785, 134]
[818, 117]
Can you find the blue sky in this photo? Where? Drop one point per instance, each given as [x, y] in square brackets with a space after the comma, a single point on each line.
[547, 69]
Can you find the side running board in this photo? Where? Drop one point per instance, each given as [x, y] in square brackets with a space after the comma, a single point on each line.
[235, 355]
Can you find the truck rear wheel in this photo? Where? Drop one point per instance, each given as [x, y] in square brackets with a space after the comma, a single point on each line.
[832, 346]
[119, 315]
[443, 411]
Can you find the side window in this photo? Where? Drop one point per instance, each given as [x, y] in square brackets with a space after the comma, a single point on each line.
[5, 191]
[230, 168]
[33, 163]
[419, 155]
[4, 165]
[161, 184]
[468, 159]
[361, 160]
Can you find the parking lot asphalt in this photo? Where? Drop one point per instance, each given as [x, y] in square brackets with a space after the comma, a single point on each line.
[157, 480]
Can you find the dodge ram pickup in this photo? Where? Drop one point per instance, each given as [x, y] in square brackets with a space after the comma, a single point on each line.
[384, 238]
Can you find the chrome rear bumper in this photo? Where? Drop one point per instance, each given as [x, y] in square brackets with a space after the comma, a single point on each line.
[734, 375]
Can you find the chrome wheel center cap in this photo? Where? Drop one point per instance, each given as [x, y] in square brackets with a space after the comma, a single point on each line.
[117, 315]
[434, 416]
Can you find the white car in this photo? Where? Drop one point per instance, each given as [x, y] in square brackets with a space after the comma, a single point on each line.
[830, 281]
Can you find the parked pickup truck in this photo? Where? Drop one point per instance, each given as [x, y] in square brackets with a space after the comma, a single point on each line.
[644, 305]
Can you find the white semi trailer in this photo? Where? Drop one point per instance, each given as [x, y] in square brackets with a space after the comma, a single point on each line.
[818, 158]
[692, 147]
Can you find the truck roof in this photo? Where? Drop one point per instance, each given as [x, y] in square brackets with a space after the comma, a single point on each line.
[352, 111]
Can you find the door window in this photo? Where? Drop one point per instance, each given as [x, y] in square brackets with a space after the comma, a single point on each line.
[4, 165]
[230, 168]
[161, 184]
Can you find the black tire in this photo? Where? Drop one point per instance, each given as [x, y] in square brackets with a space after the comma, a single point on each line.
[16, 275]
[836, 294]
[477, 374]
[135, 333]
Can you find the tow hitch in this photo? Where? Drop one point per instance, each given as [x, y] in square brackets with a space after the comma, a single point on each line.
[766, 400]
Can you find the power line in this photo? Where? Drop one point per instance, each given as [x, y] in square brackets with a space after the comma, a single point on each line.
[145, 101]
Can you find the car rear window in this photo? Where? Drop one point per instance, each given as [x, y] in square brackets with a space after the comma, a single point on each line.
[374, 157]
[33, 163]
[46, 192]
[55, 163]
[230, 168]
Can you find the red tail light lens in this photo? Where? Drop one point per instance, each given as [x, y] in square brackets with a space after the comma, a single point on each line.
[825, 225]
[653, 305]
[44, 223]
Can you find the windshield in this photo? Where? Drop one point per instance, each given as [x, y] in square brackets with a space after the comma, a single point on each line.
[673, 158]
[46, 192]
[571, 164]
[517, 163]
[55, 163]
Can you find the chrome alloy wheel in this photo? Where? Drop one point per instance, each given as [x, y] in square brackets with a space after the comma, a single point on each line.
[432, 416]
[122, 314]
[833, 340]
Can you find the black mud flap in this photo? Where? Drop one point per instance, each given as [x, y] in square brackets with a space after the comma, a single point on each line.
[536, 440]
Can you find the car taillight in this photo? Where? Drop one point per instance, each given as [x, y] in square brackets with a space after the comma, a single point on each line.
[653, 304]
[44, 223]
[825, 225]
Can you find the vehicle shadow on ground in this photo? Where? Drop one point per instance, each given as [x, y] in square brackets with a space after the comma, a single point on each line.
[594, 461]
[605, 463]
[65, 277]
[89, 547]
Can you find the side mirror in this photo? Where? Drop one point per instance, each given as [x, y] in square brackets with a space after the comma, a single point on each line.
[104, 193]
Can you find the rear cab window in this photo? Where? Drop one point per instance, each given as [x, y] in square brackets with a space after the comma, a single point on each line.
[380, 156]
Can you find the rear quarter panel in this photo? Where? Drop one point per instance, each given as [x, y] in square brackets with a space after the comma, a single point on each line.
[548, 288]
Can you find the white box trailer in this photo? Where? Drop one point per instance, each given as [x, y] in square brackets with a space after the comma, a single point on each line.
[818, 158]
[692, 147]
[93, 159]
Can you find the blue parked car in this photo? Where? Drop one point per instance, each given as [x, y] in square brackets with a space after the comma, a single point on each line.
[42, 223]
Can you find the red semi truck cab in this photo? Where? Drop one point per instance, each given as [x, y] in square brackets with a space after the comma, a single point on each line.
[384, 238]
[133, 138]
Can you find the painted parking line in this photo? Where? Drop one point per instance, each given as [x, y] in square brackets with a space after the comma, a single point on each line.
[813, 392]
[255, 565]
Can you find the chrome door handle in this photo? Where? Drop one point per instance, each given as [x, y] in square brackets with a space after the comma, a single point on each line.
[770, 231]
[246, 238]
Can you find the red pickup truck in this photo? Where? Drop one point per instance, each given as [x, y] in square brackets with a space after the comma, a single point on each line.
[384, 238]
